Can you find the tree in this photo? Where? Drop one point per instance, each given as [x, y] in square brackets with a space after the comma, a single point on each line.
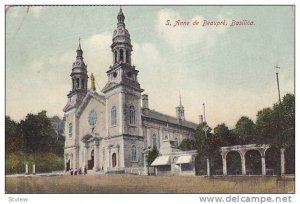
[37, 131]
[152, 154]
[13, 140]
[186, 144]
[265, 126]
[222, 132]
[245, 129]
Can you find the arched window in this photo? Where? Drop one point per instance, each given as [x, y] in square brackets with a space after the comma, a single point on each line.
[73, 84]
[131, 115]
[133, 153]
[70, 129]
[113, 115]
[116, 57]
[114, 160]
[176, 142]
[82, 83]
[121, 55]
[77, 83]
[127, 56]
[154, 140]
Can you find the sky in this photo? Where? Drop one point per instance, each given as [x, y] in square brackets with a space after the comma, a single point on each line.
[229, 68]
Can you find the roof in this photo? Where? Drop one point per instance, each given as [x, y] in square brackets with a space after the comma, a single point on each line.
[185, 159]
[169, 119]
[161, 161]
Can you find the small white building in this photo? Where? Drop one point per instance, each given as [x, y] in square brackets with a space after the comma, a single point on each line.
[173, 161]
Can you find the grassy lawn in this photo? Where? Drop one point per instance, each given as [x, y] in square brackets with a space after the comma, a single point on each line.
[148, 184]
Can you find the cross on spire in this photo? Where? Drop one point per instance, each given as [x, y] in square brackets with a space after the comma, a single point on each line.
[79, 45]
[180, 104]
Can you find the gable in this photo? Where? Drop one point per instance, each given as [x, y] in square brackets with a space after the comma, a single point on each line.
[91, 95]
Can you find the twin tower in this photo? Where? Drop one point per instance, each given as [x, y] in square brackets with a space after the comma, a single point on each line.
[121, 73]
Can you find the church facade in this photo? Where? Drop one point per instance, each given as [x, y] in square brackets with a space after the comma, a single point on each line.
[111, 130]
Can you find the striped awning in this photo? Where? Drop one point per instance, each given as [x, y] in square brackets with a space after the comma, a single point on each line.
[161, 160]
[184, 159]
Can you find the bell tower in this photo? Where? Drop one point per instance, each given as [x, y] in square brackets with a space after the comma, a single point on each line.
[122, 90]
[79, 79]
[180, 110]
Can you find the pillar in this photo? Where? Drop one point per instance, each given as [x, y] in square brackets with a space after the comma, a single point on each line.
[118, 159]
[243, 160]
[263, 162]
[26, 168]
[86, 156]
[208, 167]
[96, 155]
[263, 165]
[181, 170]
[145, 162]
[71, 162]
[33, 169]
[224, 154]
[282, 165]
[109, 158]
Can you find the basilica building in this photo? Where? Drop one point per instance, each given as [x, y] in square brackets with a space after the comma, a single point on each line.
[110, 131]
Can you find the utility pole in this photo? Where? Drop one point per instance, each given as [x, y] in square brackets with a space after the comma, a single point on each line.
[204, 118]
[205, 128]
[276, 67]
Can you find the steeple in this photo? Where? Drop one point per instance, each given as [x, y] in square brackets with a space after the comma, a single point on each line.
[79, 50]
[121, 18]
[121, 46]
[121, 72]
[180, 110]
[180, 104]
[79, 79]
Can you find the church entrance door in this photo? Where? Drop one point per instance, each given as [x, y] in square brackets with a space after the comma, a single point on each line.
[91, 161]
[68, 165]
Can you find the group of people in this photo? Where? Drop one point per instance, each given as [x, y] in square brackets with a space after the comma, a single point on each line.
[79, 171]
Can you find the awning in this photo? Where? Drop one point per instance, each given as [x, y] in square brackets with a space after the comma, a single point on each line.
[162, 160]
[184, 159]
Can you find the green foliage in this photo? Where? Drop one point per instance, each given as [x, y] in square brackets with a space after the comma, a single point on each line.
[37, 131]
[245, 130]
[44, 162]
[274, 126]
[152, 155]
[31, 141]
[186, 144]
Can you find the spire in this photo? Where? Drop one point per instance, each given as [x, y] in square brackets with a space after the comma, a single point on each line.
[79, 45]
[180, 109]
[180, 104]
[93, 82]
[79, 50]
[121, 18]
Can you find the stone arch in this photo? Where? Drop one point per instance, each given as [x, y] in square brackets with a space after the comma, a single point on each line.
[272, 157]
[216, 165]
[253, 162]
[200, 165]
[290, 160]
[234, 163]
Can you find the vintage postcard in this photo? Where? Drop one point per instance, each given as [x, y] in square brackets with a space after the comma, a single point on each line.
[150, 99]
